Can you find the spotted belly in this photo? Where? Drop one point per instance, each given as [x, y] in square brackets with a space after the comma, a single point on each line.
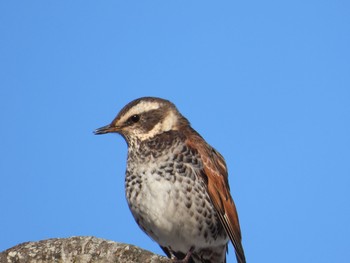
[173, 208]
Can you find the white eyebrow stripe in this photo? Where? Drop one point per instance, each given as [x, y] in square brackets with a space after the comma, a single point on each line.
[139, 108]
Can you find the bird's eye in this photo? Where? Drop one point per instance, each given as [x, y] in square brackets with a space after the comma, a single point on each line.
[134, 118]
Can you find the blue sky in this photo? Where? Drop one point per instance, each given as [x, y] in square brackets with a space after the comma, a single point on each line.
[265, 82]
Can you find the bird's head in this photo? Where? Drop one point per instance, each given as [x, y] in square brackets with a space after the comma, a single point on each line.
[145, 118]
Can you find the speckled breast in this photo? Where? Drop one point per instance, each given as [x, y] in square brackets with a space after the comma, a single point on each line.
[167, 197]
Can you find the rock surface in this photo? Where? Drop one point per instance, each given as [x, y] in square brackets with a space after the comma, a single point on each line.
[78, 250]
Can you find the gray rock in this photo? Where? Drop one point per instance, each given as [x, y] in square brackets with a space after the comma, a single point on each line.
[78, 250]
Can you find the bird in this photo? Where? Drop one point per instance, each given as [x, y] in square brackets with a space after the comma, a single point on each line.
[176, 184]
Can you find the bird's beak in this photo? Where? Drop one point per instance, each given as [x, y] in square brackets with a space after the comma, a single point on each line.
[106, 129]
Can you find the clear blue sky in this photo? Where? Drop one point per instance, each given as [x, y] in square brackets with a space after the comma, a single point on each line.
[267, 83]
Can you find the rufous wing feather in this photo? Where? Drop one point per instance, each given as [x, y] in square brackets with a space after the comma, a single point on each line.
[219, 191]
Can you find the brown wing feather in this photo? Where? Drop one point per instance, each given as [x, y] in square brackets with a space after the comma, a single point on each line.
[219, 191]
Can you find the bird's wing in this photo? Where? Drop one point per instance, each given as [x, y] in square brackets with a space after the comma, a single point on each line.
[214, 168]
